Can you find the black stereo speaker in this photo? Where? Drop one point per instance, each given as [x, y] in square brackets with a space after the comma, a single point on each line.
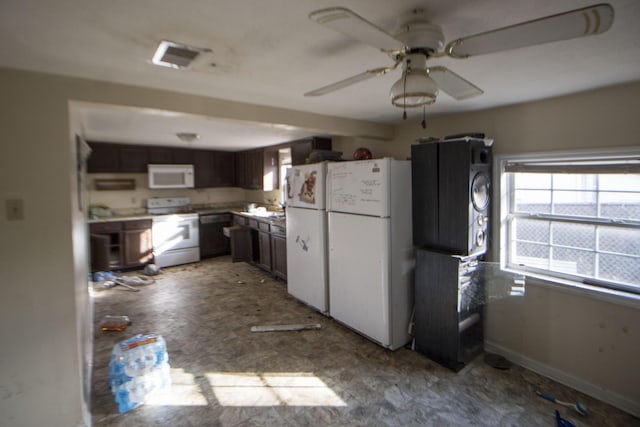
[451, 185]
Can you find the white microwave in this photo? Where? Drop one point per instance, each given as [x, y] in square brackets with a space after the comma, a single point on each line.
[170, 176]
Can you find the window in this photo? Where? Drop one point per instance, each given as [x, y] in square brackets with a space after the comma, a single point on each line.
[284, 162]
[573, 217]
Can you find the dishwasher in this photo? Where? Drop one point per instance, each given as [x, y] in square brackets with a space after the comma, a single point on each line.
[213, 242]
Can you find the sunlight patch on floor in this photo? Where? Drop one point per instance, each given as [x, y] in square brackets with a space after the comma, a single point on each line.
[183, 392]
[271, 389]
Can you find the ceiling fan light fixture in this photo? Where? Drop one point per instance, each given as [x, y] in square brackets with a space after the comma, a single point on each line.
[414, 89]
[187, 136]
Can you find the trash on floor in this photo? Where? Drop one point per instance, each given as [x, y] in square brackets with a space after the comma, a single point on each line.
[109, 280]
[151, 270]
[561, 422]
[579, 407]
[115, 323]
[138, 367]
[102, 276]
[496, 361]
[283, 328]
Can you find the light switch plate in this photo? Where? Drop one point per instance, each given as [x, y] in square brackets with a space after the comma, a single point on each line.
[15, 209]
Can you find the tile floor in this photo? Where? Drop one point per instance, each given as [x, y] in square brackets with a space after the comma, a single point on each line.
[225, 375]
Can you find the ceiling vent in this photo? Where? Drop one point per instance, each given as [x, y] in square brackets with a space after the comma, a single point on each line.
[176, 55]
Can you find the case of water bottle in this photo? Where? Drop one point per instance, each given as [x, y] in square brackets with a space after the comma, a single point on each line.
[139, 366]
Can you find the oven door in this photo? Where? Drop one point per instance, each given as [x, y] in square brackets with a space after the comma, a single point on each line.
[172, 232]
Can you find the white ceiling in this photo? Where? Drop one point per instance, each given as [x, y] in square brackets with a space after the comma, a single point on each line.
[269, 53]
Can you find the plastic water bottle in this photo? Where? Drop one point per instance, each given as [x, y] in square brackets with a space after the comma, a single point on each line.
[139, 365]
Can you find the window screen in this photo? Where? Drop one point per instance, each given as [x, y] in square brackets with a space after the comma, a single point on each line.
[576, 219]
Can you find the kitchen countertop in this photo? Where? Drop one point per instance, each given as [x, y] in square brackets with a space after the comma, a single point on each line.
[278, 220]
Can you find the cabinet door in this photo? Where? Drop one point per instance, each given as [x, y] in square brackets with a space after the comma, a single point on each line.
[270, 169]
[279, 256]
[240, 169]
[224, 169]
[100, 252]
[264, 242]
[137, 247]
[301, 149]
[182, 156]
[203, 168]
[160, 155]
[103, 158]
[256, 168]
[241, 245]
[133, 159]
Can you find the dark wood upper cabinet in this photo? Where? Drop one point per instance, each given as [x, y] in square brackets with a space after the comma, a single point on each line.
[103, 158]
[256, 169]
[160, 155]
[214, 168]
[182, 156]
[271, 169]
[203, 168]
[224, 169]
[132, 158]
[301, 149]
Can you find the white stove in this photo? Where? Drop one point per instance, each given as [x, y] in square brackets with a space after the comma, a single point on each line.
[175, 231]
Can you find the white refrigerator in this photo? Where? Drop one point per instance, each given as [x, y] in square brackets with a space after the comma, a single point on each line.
[307, 277]
[371, 254]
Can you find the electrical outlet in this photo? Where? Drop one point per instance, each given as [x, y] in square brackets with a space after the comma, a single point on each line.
[15, 209]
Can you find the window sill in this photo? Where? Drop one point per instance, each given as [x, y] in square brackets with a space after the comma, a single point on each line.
[612, 296]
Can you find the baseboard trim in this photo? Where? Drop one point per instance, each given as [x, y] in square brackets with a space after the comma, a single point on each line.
[562, 377]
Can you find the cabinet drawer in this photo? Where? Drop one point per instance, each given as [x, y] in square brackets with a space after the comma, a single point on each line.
[138, 224]
[263, 226]
[253, 223]
[105, 227]
[239, 220]
[278, 230]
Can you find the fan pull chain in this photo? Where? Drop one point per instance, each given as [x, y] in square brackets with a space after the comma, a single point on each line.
[424, 117]
[404, 91]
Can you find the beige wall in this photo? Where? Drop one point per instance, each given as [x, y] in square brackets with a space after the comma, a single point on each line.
[137, 198]
[45, 309]
[42, 346]
[574, 336]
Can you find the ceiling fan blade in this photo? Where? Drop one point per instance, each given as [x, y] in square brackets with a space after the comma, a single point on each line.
[587, 21]
[454, 85]
[353, 25]
[350, 81]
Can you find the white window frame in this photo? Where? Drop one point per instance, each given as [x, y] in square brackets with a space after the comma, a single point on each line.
[500, 234]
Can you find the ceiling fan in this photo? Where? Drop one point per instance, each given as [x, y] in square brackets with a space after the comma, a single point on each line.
[418, 40]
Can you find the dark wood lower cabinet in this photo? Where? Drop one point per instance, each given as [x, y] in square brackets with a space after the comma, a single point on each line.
[279, 256]
[137, 247]
[267, 241]
[120, 244]
[264, 251]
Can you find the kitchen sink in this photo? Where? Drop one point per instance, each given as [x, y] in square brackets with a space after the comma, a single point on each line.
[267, 214]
